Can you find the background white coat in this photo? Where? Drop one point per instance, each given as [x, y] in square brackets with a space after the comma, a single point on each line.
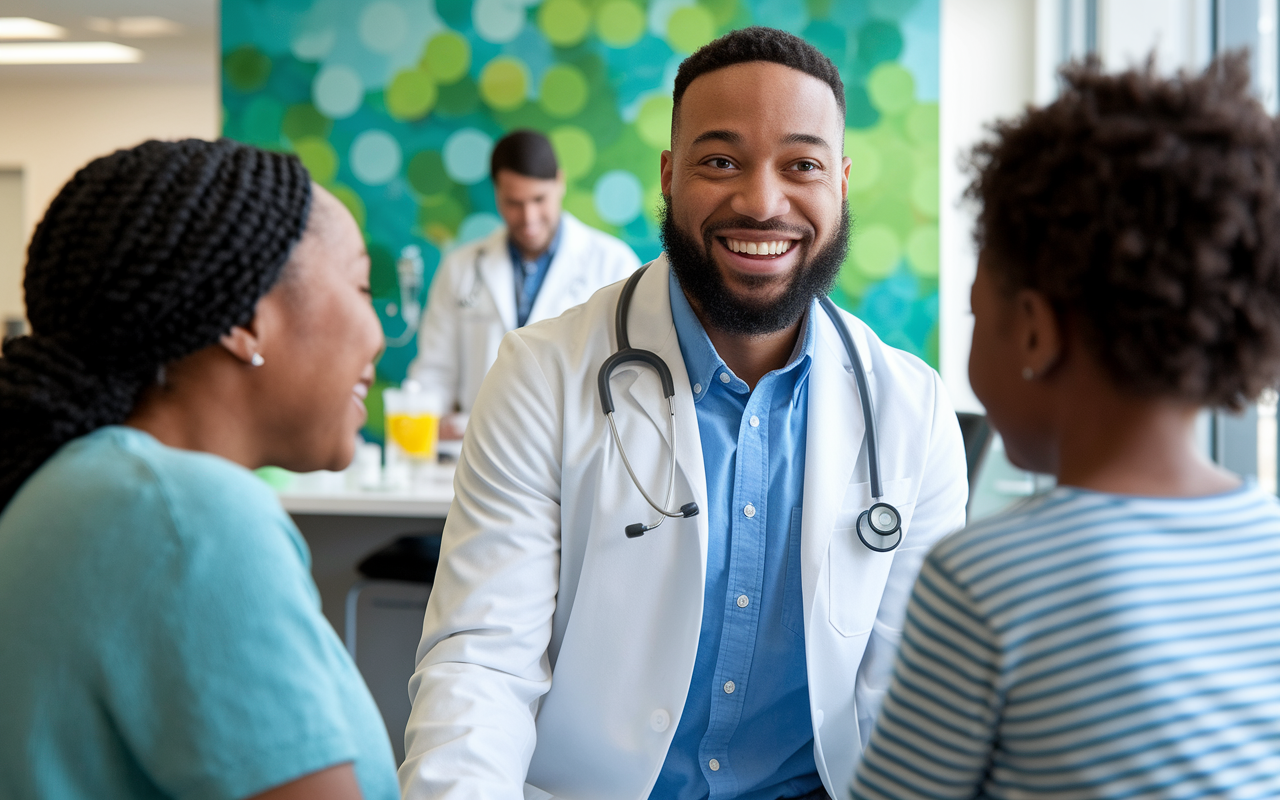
[537, 579]
[472, 303]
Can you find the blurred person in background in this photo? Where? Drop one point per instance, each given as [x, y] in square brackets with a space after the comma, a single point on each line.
[542, 262]
[1116, 637]
[198, 309]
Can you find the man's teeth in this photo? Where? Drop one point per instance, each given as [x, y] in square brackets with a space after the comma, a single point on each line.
[758, 248]
[361, 391]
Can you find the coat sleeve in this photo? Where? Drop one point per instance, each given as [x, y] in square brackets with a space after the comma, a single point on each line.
[436, 365]
[939, 510]
[482, 664]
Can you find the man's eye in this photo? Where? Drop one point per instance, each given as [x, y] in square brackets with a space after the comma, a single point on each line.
[806, 166]
[721, 163]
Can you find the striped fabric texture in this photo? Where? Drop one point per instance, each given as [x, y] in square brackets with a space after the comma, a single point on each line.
[1091, 646]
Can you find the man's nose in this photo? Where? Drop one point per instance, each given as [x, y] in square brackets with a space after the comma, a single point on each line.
[761, 196]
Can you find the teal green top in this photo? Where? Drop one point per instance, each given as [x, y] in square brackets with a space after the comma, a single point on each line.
[161, 636]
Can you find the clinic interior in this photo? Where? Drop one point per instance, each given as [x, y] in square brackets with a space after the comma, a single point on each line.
[395, 107]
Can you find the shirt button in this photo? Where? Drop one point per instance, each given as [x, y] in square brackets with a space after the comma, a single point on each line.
[697, 388]
[724, 377]
[743, 601]
[729, 687]
[660, 720]
[755, 421]
[750, 510]
[714, 764]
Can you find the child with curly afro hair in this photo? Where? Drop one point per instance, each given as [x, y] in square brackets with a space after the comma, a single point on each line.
[1115, 637]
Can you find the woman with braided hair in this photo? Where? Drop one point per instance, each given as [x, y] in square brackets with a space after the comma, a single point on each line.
[198, 309]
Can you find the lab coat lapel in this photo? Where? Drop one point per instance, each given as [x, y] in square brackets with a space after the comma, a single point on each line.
[833, 448]
[650, 327]
[498, 274]
[565, 271]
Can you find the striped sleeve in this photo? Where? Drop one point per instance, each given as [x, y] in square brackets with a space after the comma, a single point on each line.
[934, 735]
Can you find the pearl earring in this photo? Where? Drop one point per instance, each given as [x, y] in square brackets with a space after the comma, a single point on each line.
[257, 360]
[1028, 374]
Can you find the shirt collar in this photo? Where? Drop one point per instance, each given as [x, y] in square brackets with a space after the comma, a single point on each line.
[703, 362]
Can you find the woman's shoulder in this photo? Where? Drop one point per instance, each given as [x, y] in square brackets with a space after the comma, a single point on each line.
[125, 486]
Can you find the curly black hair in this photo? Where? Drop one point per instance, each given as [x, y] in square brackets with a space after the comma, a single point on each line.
[758, 43]
[145, 256]
[1147, 211]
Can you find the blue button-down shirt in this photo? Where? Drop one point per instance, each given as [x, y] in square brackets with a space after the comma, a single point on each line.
[530, 275]
[746, 731]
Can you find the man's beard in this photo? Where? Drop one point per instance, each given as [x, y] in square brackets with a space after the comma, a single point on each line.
[699, 275]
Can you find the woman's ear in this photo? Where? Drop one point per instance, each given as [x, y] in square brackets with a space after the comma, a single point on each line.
[1039, 333]
[243, 344]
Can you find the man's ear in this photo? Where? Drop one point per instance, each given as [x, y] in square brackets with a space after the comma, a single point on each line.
[846, 165]
[664, 171]
[1039, 331]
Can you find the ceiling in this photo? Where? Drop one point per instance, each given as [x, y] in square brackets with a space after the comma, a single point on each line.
[191, 55]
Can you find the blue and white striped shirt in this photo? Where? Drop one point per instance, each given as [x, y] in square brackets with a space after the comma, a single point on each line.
[1091, 645]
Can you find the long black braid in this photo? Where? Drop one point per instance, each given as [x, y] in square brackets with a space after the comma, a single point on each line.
[145, 256]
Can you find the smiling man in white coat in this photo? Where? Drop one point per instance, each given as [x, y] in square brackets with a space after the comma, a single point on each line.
[540, 263]
[741, 649]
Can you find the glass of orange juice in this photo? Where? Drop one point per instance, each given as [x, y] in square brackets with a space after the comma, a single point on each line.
[413, 420]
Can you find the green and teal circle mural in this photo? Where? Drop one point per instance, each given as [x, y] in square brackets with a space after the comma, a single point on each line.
[394, 106]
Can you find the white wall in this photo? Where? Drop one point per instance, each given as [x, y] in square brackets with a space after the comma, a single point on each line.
[11, 242]
[988, 73]
[49, 130]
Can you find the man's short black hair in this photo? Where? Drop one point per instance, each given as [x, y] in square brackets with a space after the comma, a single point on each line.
[526, 153]
[757, 43]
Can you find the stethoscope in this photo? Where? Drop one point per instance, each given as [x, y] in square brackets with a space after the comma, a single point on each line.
[881, 521]
[472, 297]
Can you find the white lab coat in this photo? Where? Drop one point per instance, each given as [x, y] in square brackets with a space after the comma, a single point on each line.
[537, 578]
[472, 303]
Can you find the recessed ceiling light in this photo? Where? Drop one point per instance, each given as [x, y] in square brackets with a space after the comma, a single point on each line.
[28, 28]
[68, 53]
[135, 27]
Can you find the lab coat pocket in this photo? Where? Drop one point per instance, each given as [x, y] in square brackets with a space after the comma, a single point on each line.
[858, 573]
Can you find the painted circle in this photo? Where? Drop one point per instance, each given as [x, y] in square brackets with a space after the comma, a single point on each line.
[478, 226]
[504, 83]
[865, 171]
[690, 28]
[375, 157]
[575, 150]
[262, 119]
[382, 26]
[891, 88]
[498, 21]
[313, 44]
[337, 91]
[319, 157]
[448, 57]
[654, 121]
[410, 95]
[925, 190]
[564, 22]
[620, 23]
[564, 91]
[247, 68]
[876, 251]
[618, 196]
[466, 156]
[922, 251]
[426, 173]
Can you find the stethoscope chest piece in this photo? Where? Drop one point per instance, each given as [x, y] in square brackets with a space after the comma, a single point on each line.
[880, 527]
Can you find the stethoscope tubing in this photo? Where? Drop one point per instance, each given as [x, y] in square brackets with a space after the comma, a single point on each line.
[882, 518]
